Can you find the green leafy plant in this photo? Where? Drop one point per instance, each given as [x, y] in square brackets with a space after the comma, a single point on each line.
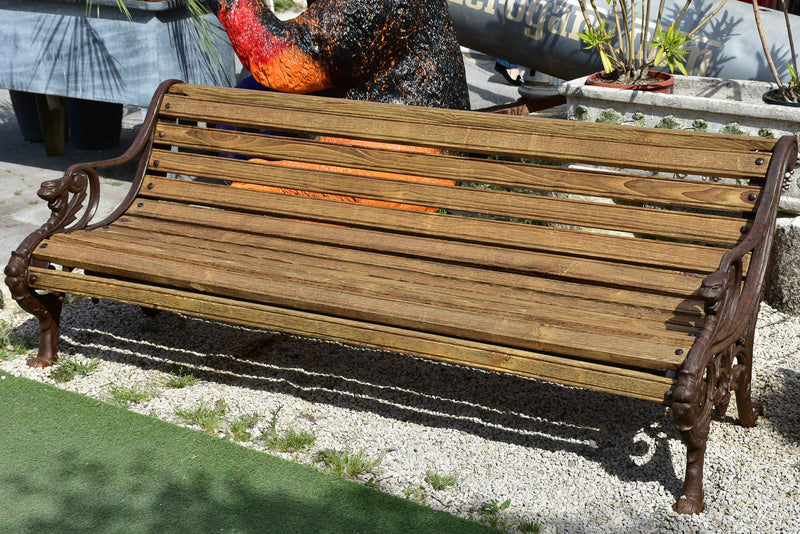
[290, 441]
[489, 511]
[788, 91]
[125, 396]
[439, 481]
[241, 426]
[179, 380]
[67, 368]
[627, 47]
[347, 463]
[204, 415]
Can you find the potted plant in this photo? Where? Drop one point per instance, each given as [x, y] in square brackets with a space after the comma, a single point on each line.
[631, 50]
[786, 93]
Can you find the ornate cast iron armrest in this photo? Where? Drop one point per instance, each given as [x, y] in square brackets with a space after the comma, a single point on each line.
[721, 358]
[731, 302]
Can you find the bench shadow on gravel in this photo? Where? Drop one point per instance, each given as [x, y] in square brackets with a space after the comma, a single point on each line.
[602, 428]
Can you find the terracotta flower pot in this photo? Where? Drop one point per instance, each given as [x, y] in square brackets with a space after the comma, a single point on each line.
[663, 85]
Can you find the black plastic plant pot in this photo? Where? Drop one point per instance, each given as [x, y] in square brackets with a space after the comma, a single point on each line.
[24, 105]
[774, 97]
[92, 124]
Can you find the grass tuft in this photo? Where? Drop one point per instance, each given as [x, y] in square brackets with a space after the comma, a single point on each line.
[290, 441]
[207, 417]
[347, 463]
[241, 426]
[11, 348]
[178, 380]
[66, 369]
[439, 482]
[125, 396]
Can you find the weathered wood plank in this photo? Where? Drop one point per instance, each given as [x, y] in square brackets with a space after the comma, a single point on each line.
[564, 267]
[413, 252]
[631, 187]
[500, 138]
[487, 283]
[543, 366]
[675, 225]
[358, 214]
[356, 272]
[632, 136]
[509, 331]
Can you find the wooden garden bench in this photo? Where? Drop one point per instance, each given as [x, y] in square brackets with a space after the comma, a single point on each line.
[570, 252]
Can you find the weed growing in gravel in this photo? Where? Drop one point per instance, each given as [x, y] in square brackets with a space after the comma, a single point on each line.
[347, 463]
[125, 396]
[241, 426]
[438, 481]
[207, 417]
[489, 512]
[179, 380]
[529, 527]
[415, 492]
[66, 369]
[10, 348]
[290, 441]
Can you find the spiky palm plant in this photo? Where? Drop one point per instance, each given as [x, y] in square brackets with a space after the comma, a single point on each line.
[627, 55]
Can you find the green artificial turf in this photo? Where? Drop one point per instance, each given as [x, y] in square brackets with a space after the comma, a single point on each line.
[72, 464]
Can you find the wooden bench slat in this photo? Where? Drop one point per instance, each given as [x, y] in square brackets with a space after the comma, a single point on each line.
[676, 225]
[529, 334]
[606, 273]
[631, 187]
[646, 252]
[408, 250]
[497, 284]
[485, 140]
[632, 136]
[392, 279]
[616, 380]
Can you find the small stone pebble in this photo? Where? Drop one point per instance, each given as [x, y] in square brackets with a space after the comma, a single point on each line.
[574, 461]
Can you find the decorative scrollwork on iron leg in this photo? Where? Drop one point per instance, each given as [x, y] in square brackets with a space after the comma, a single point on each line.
[692, 409]
[741, 377]
[65, 198]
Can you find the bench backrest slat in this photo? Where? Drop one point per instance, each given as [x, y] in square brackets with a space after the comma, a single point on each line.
[497, 139]
[677, 225]
[501, 173]
[460, 119]
[517, 190]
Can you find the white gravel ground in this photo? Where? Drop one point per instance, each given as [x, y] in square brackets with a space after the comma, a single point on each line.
[572, 460]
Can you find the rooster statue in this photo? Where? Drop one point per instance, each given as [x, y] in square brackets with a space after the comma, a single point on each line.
[396, 51]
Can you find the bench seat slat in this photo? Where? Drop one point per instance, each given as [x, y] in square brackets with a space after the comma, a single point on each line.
[621, 381]
[499, 285]
[434, 284]
[676, 225]
[407, 249]
[503, 330]
[631, 187]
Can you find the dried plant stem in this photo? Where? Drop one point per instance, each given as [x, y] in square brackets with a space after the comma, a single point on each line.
[789, 33]
[767, 53]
